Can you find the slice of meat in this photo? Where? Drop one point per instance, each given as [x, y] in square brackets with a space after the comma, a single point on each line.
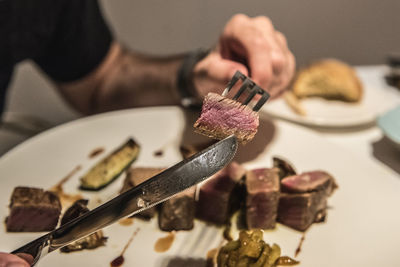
[217, 197]
[137, 176]
[92, 241]
[307, 182]
[262, 198]
[221, 117]
[305, 199]
[178, 212]
[33, 210]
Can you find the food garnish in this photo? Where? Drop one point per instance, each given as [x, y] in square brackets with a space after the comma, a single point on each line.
[108, 169]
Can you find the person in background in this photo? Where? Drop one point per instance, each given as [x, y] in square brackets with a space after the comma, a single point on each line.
[69, 40]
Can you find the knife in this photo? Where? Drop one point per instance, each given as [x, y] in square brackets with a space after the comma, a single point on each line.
[157, 189]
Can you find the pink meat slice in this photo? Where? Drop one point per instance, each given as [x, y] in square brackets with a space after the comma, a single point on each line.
[221, 117]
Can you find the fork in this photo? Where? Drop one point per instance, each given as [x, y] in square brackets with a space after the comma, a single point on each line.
[249, 85]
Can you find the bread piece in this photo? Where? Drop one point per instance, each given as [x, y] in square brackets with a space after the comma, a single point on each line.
[330, 79]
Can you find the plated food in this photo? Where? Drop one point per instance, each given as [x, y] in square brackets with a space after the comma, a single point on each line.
[351, 233]
[251, 250]
[329, 79]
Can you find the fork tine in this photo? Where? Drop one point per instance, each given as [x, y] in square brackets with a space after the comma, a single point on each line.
[244, 86]
[264, 97]
[250, 97]
[238, 75]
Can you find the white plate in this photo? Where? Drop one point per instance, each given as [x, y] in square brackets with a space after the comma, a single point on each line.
[362, 223]
[377, 98]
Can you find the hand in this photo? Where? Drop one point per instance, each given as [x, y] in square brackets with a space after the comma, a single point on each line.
[252, 46]
[10, 260]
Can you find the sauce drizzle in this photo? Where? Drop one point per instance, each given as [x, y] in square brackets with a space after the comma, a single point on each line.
[118, 261]
[164, 243]
[298, 249]
[126, 221]
[95, 152]
[58, 188]
[158, 153]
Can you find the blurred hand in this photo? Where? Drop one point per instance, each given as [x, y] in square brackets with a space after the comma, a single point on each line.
[10, 260]
[252, 46]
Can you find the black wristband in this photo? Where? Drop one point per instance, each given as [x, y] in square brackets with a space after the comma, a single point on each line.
[185, 84]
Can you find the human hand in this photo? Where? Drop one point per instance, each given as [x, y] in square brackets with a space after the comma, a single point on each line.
[252, 46]
[11, 260]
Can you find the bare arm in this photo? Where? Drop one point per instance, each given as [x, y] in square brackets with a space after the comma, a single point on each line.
[125, 79]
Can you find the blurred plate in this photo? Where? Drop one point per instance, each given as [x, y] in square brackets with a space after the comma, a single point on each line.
[361, 227]
[390, 125]
[377, 98]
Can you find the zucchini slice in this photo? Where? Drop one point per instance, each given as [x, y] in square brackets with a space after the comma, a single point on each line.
[109, 168]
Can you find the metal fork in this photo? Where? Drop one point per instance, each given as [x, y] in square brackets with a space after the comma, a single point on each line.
[252, 88]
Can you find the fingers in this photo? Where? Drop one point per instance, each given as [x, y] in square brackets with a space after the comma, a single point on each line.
[214, 72]
[262, 48]
[10, 260]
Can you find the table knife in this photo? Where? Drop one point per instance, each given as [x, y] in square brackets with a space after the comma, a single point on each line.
[157, 189]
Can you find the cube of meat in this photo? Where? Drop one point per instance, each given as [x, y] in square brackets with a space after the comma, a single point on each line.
[33, 210]
[178, 212]
[262, 198]
[221, 117]
[304, 199]
[218, 194]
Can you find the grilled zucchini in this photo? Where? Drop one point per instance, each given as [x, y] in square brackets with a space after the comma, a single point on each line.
[109, 168]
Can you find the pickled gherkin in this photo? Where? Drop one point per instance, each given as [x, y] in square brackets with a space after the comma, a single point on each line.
[250, 250]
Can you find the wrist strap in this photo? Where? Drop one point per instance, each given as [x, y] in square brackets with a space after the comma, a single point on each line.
[185, 84]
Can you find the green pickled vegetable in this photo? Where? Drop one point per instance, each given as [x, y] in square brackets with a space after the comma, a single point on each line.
[250, 250]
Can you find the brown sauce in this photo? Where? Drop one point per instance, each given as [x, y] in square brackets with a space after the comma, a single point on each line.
[118, 261]
[95, 152]
[59, 190]
[212, 253]
[158, 153]
[164, 243]
[126, 221]
[298, 249]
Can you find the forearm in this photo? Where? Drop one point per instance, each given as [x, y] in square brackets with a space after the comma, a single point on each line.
[126, 79]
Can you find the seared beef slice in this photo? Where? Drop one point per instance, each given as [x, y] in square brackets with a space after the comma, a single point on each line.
[137, 176]
[33, 210]
[304, 198]
[217, 194]
[221, 117]
[178, 212]
[262, 198]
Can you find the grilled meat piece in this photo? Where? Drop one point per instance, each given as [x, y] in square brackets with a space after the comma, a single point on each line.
[262, 198]
[218, 196]
[33, 210]
[305, 199]
[136, 176]
[308, 182]
[178, 212]
[221, 117]
[92, 241]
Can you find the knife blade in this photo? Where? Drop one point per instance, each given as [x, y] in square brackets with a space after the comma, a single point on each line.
[157, 189]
